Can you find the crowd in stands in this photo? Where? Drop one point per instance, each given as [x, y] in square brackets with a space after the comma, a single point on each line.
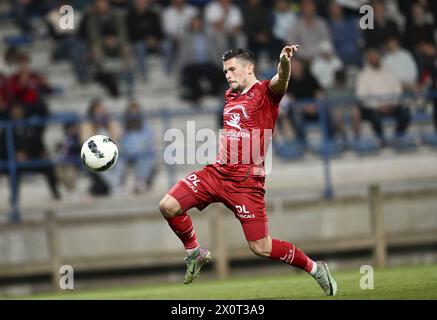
[23, 97]
[115, 39]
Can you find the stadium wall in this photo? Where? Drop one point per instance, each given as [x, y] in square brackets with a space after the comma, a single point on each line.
[117, 241]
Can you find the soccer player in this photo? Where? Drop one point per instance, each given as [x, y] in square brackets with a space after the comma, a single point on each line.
[250, 112]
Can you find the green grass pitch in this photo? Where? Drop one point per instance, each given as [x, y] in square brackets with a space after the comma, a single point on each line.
[413, 282]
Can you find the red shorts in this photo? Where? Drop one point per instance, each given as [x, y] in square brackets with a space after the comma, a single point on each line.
[245, 198]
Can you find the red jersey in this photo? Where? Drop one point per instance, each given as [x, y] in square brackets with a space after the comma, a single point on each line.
[248, 122]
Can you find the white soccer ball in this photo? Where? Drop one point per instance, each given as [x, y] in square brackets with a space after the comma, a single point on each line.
[99, 153]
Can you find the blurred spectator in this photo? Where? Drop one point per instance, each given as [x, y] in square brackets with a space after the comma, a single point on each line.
[351, 8]
[393, 13]
[68, 45]
[137, 145]
[121, 4]
[80, 5]
[401, 63]
[199, 3]
[345, 35]
[221, 16]
[379, 90]
[3, 91]
[384, 28]
[24, 10]
[28, 88]
[309, 31]
[283, 20]
[429, 8]
[325, 65]
[4, 116]
[99, 122]
[199, 62]
[21, 9]
[304, 95]
[176, 19]
[9, 59]
[68, 153]
[418, 29]
[340, 99]
[28, 145]
[145, 32]
[257, 26]
[428, 73]
[105, 32]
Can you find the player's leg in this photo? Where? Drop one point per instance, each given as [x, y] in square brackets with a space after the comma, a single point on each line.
[248, 206]
[288, 253]
[179, 221]
[186, 194]
[276, 249]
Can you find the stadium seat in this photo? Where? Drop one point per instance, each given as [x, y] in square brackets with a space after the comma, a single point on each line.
[364, 145]
[421, 117]
[403, 143]
[334, 149]
[289, 150]
[430, 139]
[18, 40]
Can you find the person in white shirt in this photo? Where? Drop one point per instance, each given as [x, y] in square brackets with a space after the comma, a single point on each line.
[401, 63]
[224, 17]
[309, 31]
[176, 19]
[378, 91]
[284, 19]
[325, 65]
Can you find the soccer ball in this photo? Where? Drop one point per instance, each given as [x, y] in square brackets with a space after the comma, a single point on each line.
[99, 153]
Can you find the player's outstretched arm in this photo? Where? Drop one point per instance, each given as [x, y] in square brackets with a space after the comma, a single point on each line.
[279, 82]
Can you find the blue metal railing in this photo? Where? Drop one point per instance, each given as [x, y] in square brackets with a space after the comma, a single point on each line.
[166, 116]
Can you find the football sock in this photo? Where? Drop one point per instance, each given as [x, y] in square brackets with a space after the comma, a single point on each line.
[313, 270]
[288, 253]
[192, 252]
[182, 226]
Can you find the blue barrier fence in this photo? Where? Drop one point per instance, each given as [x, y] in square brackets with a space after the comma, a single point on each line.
[167, 117]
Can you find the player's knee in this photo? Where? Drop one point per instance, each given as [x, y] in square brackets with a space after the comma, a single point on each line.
[260, 247]
[169, 208]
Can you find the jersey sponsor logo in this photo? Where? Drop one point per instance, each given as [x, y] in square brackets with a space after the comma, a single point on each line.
[235, 117]
[192, 180]
[237, 134]
[243, 213]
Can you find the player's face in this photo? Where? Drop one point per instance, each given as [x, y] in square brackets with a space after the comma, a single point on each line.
[236, 72]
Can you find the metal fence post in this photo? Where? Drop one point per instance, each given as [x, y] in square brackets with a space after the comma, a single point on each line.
[221, 262]
[12, 168]
[54, 248]
[377, 220]
[166, 121]
[328, 192]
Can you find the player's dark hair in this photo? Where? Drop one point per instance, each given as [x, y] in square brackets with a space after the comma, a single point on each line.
[243, 54]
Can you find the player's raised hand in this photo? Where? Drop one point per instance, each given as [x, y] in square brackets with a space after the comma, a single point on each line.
[288, 51]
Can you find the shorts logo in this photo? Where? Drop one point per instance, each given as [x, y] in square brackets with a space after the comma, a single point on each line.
[241, 210]
[192, 182]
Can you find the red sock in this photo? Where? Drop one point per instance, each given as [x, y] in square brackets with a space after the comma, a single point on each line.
[288, 253]
[183, 227]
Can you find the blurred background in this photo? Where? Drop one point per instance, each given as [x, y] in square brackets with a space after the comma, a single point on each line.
[354, 176]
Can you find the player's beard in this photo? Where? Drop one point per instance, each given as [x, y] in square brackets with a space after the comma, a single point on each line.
[239, 88]
[235, 89]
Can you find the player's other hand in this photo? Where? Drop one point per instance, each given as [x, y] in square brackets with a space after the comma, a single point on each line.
[288, 51]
